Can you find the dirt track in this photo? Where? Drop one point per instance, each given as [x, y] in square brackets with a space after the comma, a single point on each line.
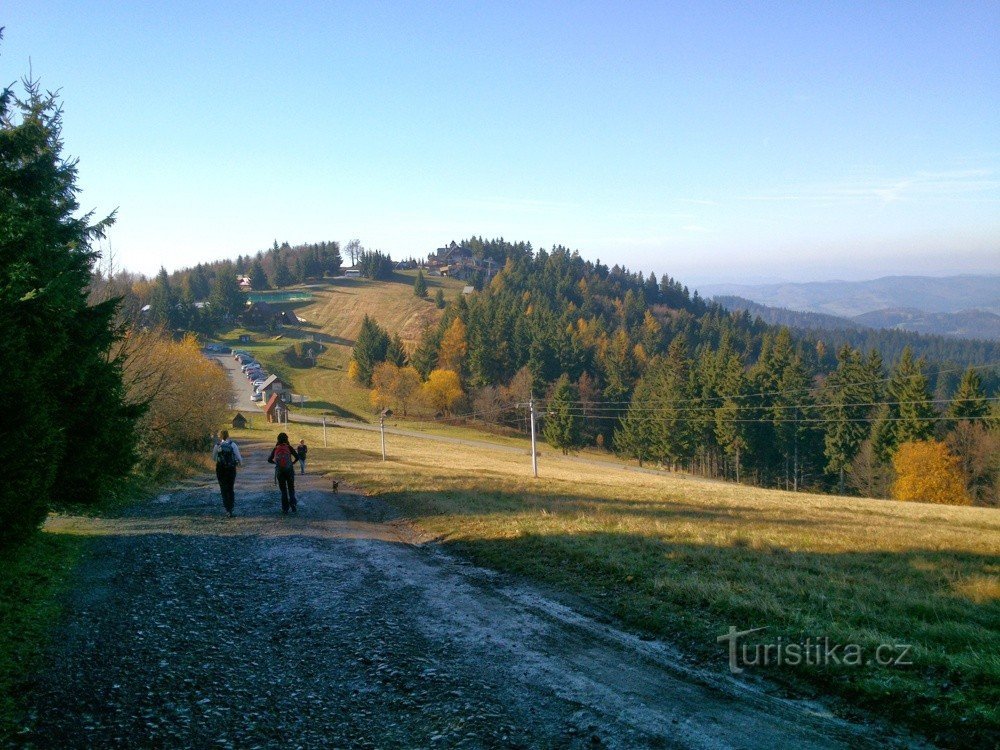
[337, 628]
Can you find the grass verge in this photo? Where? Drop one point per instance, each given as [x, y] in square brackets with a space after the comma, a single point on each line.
[35, 576]
[684, 559]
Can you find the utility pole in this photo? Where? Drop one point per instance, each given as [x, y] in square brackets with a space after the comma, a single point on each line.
[795, 463]
[534, 450]
[381, 424]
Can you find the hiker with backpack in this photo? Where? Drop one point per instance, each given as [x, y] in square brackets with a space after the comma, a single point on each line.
[302, 449]
[284, 456]
[226, 455]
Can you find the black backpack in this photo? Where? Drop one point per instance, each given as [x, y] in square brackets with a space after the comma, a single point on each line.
[226, 456]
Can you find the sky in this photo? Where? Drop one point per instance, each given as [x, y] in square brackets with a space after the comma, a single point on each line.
[714, 141]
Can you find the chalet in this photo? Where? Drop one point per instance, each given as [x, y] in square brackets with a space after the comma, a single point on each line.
[273, 386]
[244, 282]
[239, 421]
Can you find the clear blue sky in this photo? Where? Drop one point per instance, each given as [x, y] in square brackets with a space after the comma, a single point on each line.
[712, 141]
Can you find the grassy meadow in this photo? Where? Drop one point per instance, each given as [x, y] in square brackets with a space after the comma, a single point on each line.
[683, 559]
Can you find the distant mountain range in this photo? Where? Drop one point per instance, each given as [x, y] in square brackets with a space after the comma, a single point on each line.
[960, 306]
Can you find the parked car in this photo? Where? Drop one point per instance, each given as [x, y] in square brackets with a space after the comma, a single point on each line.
[257, 397]
[251, 365]
[256, 375]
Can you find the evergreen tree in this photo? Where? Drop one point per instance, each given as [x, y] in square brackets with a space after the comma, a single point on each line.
[909, 389]
[163, 303]
[201, 286]
[634, 437]
[672, 439]
[420, 286]
[730, 427]
[282, 275]
[969, 401]
[396, 352]
[848, 404]
[374, 264]
[425, 356]
[226, 301]
[439, 298]
[79, 429]
[563, 426]
[258, 279]
[370, 349]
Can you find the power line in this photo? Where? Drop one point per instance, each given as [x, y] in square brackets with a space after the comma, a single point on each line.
[587, 407]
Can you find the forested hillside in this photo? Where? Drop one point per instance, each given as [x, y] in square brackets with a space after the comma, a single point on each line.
[640, 365]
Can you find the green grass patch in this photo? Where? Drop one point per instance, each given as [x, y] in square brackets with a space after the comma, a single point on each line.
[35, 576]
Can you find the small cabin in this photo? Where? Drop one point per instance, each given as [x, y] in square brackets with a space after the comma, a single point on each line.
[239, 422]
[275, 411]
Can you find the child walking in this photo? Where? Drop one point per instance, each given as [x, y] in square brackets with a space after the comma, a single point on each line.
[302, 449]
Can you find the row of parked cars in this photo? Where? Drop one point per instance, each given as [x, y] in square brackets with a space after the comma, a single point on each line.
[254, 371]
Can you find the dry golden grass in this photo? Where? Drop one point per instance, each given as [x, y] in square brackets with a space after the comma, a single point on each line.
[684, 558]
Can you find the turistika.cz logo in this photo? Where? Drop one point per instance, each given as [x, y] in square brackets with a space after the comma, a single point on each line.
[817, 651]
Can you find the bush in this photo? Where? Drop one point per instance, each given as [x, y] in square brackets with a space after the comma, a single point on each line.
[927, 472]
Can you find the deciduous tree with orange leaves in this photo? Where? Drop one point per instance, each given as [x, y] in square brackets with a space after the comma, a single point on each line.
[927, 472]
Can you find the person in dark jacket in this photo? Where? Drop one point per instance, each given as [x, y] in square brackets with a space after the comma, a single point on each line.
[302, 449]
[226, 455]
[284, 456]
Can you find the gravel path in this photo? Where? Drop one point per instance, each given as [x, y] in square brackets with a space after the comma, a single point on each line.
[335, 627]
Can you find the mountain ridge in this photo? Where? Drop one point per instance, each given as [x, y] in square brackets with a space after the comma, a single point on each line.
[848, 299]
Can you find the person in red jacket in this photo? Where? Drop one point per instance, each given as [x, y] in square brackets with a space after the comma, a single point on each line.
[284, 457]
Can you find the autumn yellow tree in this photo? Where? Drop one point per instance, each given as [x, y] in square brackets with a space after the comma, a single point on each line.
[451, 355]
[927, 472]
[442, 390]
[187, 395]
[383, 382]
[405, 387]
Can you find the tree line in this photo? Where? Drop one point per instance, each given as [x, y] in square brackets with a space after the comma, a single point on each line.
[207, 297]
